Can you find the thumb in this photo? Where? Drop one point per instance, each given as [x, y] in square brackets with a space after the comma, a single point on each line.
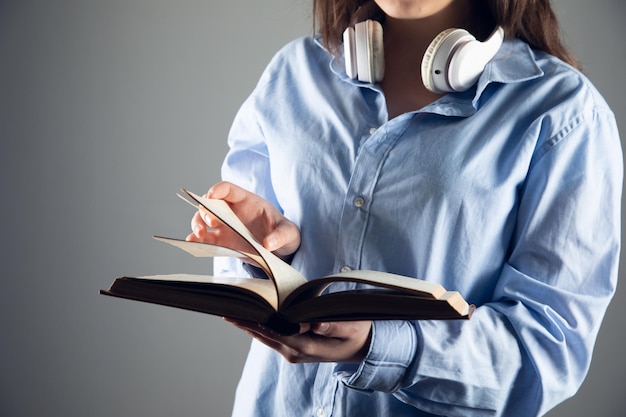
[323, 329]
[284, 239]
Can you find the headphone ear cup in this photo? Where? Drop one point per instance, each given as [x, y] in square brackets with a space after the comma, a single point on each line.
[455, 60]
[470, 59]
[349, 52]
[437, 56]
[364, 52]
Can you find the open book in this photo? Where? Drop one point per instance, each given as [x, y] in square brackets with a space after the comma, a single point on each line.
[286, 298]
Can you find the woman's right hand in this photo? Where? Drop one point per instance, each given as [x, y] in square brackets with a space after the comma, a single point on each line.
[275, 232]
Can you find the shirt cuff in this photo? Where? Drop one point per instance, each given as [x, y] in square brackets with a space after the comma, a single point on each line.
[393, 348]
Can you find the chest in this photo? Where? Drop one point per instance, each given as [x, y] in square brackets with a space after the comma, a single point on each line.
[413, 158]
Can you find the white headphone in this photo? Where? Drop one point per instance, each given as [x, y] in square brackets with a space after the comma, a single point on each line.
[453, 61]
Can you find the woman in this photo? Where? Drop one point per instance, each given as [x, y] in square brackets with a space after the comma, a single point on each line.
[508, 192]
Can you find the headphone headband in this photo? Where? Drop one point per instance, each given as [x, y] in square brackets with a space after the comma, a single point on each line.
[453, 61]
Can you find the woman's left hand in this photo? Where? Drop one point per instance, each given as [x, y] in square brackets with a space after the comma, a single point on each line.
[346, 342]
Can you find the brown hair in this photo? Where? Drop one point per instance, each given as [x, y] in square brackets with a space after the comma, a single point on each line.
[533, 21]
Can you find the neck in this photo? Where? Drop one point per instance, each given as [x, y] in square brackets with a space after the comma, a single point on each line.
[417, 33]
[405, 41]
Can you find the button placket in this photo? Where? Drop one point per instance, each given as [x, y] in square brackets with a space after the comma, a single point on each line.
[365, 174]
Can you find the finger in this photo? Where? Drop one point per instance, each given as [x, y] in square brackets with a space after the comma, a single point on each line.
[323, 329]
[284, 239]
[208, 218]
[257, 331]
[304, 327]
[292, 348]
[227, 191]
[198, 225]
[247, 325]
[347, 330]
[191, 237]
[304, 347]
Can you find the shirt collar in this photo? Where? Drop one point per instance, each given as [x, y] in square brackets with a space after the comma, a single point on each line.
[514, 63]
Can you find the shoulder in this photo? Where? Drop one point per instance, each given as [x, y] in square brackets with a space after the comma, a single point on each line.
[301, 59]
[537, 86]
[563, 80]
[574, 104]
[304, 47]
[544, 101]
[574, 112]
[541, 80]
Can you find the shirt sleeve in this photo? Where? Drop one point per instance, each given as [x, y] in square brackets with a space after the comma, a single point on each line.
[246, 165]
[530, 347]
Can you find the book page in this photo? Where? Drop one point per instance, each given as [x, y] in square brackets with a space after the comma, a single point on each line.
[262, 287]
[409, 285]
[223, 292]
[207, 250]
[375, 304]
[285, 277]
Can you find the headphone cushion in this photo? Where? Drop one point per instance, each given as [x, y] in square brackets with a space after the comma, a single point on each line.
[370, 55]
[349, 52]
[471, 58]
[466, 65]
[437, 57]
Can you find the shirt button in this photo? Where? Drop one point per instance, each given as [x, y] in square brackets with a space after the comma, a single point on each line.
[373, 130]
[320, 412]
[344, 269]
[359, 202]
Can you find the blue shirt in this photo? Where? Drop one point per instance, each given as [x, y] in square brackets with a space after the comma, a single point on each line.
[509, 193]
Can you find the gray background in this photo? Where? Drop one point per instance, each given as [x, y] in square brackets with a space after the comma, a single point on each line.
[106, 109]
